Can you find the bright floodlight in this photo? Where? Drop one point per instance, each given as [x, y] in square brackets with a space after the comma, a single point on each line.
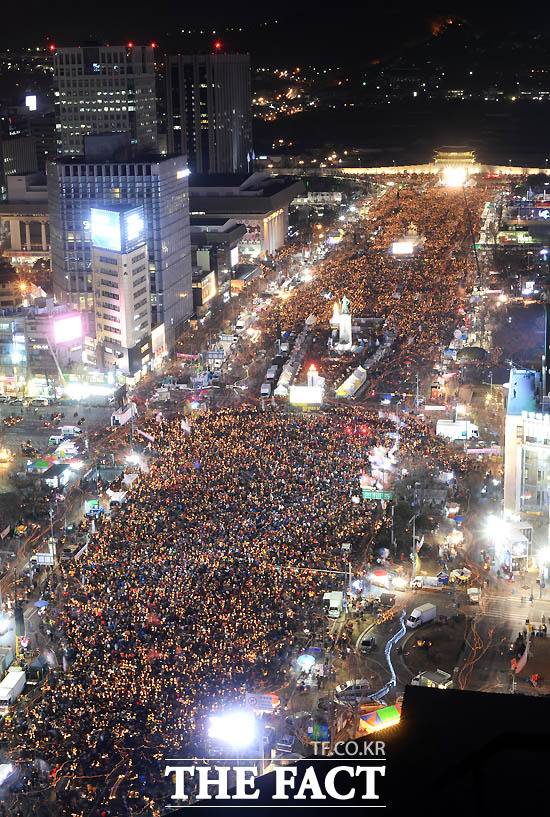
[237, 728]
[543, 556]
[454, 176]
[496, 527]
[305, 662]
[6, 769]
[402, 248]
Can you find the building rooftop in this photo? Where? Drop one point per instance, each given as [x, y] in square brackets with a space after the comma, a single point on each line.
[24, 208]
[240, 184]
[138, 158]
[55, 470]
[523, 392]
[216, 222]
[205, 230]
[232, 195]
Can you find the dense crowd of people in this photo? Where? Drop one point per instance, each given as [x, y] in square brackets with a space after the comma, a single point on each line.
[197, 589]
[420, 298]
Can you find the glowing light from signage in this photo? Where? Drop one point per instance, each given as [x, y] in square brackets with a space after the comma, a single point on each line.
[454, 176]
[183, 174]
[236, 728]
[105, 228]
[134, 226]
[402, 248]
[67, 328]
[306, 395]
[30, 102]
[381, 719]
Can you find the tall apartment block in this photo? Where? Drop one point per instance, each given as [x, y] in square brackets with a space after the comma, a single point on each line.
[105, 89]
[209, 111]
[75, 186]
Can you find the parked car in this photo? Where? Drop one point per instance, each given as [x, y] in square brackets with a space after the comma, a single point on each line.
[367, 645]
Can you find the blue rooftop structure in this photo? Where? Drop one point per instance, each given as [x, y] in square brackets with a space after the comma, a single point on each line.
[523, 391]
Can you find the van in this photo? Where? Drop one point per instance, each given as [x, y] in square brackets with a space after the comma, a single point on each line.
[265, 390]
[70, 431]
[351, 690]
[271, 373]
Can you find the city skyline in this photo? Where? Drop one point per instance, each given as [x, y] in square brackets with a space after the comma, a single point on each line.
[274, 408]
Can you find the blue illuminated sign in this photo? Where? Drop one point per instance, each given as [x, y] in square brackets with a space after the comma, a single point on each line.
[117, 229]
[105, 229]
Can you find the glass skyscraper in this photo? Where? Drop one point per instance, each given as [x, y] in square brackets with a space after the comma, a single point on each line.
[209, 111]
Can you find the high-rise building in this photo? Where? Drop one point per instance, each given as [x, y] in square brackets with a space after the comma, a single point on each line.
[209, 111]
[160, 186]
[121, 288]
[17, 156]
[527, 445]
[105, 89]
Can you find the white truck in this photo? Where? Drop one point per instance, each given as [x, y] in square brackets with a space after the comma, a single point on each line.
[429, 582]
[457, 429]
[473, 594]
[70, 431]
[422, 615]
[11, 688]
[123, 415]
[333, 603]
[433, 678]
[271, 373]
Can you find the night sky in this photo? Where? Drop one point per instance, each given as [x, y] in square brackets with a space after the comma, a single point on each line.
[342, 32]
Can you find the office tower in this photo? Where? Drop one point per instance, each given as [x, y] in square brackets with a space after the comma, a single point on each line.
[17, 156]
[105, 89]
[208, 107]
[160, 186]
[120, 282]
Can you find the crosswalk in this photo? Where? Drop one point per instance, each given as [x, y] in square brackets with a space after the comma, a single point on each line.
[510, 609]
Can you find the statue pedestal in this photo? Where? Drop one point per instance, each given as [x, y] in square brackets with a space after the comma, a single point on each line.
[345, 340]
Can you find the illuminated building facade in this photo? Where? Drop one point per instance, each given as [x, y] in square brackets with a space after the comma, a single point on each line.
[35, 343]
[121, 289]
[259, 201]
[24, 228]
[160, 187]
[105, 89]
[527, 446]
